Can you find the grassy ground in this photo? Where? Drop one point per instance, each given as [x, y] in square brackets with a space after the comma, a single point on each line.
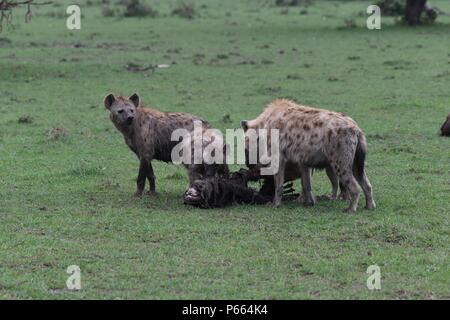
[66, 194]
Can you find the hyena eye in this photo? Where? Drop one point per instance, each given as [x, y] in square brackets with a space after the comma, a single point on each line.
[120, 111]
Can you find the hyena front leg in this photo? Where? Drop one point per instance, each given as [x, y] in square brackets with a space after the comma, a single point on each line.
[151, 180]
[334, 182]
[279, 181]
[143, 173]
[308, 198]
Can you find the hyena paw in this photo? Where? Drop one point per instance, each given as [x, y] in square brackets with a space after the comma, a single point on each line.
[274, 204]
[344, 196]
[300, 199]
[371, 206]
[138, 193]
[305, 200]
[152, 193]
[349, 210]
[327, 197]
[309, 201]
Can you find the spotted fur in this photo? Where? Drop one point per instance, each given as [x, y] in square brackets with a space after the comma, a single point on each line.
[311, 137]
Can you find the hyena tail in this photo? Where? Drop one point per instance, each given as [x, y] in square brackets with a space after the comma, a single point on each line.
[360, 158]
[359, 172]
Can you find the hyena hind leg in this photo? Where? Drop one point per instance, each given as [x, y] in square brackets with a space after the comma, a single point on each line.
[334, 183]
[345, 175]
[367, 189]
[343, 195]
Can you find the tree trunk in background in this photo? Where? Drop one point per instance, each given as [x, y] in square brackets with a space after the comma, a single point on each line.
[445, 129]
[414, 9]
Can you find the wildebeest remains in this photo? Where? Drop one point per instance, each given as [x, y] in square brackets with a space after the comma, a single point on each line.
[224, 190]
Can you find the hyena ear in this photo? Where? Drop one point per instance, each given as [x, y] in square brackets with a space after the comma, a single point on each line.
[109, 100]
[244, 125]
[135, 99]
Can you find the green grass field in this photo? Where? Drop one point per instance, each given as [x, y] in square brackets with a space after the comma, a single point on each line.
[67, 178]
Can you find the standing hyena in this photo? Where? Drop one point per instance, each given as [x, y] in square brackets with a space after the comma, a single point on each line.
[311, 137]
[148, 134]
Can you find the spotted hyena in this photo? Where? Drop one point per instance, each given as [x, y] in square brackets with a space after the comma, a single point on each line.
[311, 137]
[148, 134]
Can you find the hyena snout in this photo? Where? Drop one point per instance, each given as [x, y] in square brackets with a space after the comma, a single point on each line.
[130, 119]
[124, 116]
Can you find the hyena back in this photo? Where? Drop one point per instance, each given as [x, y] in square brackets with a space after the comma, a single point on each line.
[147, 133]
[311, 137]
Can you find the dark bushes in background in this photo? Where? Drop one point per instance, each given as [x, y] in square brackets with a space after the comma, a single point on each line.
[135, 8]
[426, 14]
[292, 3]
[392, 7]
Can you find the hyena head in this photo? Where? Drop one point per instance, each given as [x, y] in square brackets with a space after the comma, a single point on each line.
[122, 110]
[262, 147]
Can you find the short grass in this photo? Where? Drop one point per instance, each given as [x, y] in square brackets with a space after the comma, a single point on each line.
[67, 178]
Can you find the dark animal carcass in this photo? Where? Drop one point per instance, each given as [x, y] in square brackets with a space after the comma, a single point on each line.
[225, 190]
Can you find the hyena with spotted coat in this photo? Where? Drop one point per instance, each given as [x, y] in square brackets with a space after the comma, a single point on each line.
[311, 137]
[148, 133]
